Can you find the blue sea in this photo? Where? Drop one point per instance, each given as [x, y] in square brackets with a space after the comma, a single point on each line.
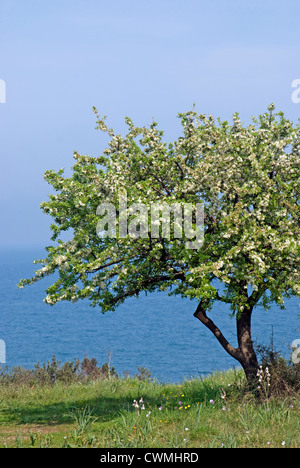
[155, 331]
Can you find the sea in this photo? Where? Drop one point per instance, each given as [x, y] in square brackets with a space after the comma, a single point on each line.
[155, 331]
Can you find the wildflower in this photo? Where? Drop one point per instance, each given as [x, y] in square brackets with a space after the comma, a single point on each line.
[212, 402]
[160, 408]
[283, 442]
[186, 429]
[139, 405]
[264, 377]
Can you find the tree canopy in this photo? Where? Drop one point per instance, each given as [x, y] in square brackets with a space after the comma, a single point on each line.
[246, 178]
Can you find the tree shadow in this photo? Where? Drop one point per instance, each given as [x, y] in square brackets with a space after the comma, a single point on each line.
[106, 408]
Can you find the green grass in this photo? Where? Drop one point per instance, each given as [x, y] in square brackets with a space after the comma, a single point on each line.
[197, 413]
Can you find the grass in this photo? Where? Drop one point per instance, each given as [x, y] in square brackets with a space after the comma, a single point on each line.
[196, 413]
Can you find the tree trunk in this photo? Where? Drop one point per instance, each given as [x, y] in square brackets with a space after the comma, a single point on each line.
[248, 358]
[245, 353]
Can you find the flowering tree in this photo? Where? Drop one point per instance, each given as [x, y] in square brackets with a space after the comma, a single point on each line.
[245, 177]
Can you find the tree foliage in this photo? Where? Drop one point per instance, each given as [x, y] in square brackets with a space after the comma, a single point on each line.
[246, 177]
[248, 180]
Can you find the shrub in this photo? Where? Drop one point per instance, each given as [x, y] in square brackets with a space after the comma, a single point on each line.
[143, 374]
[91, 370]
[54, 371]
[284, 375]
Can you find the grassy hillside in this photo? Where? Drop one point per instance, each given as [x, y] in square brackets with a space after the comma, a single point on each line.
[130, 412]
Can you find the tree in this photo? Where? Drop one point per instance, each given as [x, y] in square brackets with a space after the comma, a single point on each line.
[245, 177]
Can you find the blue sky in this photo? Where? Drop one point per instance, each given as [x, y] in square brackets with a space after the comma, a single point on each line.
[145, 59]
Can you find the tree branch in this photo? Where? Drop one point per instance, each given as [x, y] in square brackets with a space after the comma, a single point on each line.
[181, 170]
[143, 287]
[223, 299]
[115, 262]
[200, 314]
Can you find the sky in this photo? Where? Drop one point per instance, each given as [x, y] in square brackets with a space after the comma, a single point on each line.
[143, 59]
